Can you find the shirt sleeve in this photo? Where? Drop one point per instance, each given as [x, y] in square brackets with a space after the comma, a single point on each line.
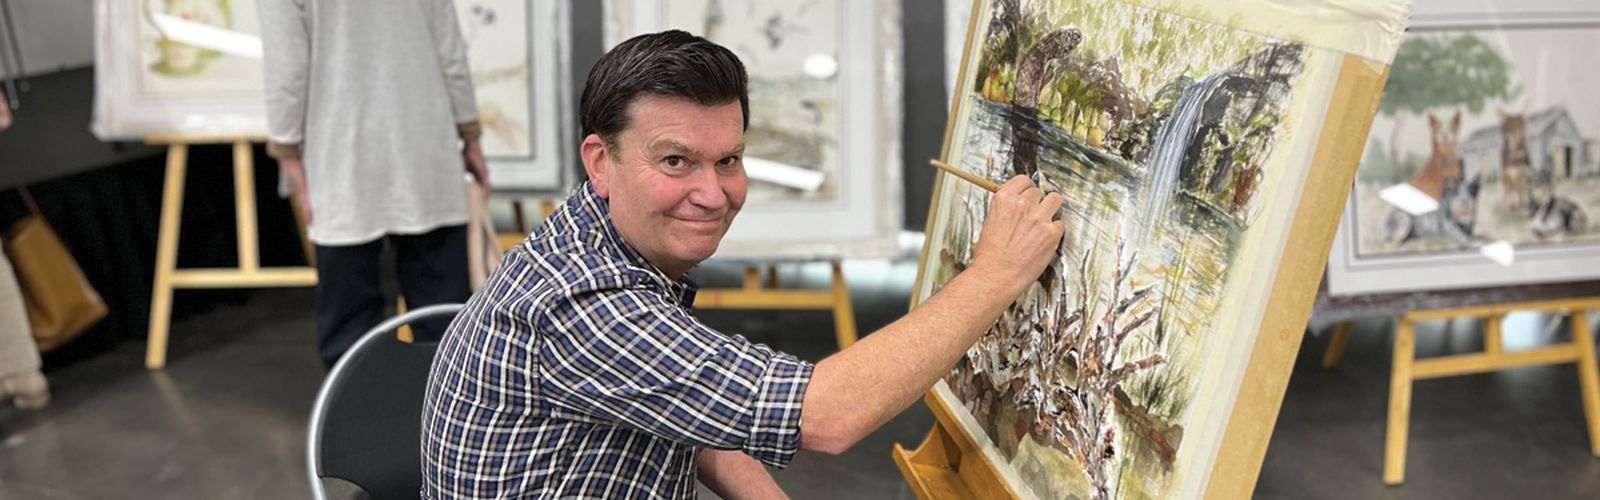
[630, 358]
[452, 53]
[286, 64]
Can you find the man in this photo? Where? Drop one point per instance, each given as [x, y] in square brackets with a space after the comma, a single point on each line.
[366, 100]
[577, 370]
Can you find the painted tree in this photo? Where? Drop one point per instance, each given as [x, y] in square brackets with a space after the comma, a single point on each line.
[1443, 71]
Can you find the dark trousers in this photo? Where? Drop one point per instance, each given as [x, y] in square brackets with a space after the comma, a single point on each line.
[432, 269]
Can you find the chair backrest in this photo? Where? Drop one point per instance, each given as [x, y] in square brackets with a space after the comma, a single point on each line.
[366, 423]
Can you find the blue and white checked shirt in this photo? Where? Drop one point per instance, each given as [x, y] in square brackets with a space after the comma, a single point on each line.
[577, 371]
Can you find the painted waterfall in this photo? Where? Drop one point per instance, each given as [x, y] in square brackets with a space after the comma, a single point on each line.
[1162, 133]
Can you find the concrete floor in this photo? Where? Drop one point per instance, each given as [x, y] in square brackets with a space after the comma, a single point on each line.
[226, 418]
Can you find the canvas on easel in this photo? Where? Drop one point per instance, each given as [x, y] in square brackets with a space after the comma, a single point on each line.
[1489, 121]
[177, 67]
[1204, 150]
[823, 144]
[187, 67]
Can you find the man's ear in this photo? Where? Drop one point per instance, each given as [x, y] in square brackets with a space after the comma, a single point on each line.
[597, 162]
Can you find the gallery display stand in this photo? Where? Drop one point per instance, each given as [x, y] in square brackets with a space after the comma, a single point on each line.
[508, 240]
[756, 295]
[948, 464]
[248, 274]
[1408, 369]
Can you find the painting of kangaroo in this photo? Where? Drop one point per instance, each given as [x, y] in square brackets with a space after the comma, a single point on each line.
[1444, 165]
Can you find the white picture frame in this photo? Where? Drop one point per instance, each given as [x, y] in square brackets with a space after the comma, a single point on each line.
[1497, 258]
[864, 216]
[215, 91]
[134, 99]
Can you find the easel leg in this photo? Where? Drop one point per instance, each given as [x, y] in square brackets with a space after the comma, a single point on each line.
[1588, 375]
[844, 317]
[404, 334]
[1336, 345]
[1394, 459]
[166, 256]
[1493, 340]
[518, 218]
[244, 204]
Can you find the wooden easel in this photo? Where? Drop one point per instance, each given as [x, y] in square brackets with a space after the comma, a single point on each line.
[755, 295]
[1408, 369]
[948, 464]
[249, 273]
[508, 240]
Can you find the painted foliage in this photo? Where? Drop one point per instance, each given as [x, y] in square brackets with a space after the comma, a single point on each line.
[1162, 133]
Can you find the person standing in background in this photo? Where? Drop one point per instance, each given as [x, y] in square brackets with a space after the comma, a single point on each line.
[371, 116]
[21, 381]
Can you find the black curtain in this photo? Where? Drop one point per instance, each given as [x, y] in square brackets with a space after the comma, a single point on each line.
[109, 219]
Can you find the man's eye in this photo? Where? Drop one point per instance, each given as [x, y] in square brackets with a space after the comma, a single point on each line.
[729, 161]
[676, 161]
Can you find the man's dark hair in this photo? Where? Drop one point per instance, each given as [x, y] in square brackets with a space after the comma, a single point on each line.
[670, 64]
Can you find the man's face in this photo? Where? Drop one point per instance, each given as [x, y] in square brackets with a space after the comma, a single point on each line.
[674, 178]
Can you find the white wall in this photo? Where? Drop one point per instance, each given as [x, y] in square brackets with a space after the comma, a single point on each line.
[54, 34]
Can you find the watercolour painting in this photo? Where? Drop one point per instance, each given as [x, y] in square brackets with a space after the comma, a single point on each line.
[822, 146]
[166, 67]
[1489, 121]
[177, 66]
[1181, 147]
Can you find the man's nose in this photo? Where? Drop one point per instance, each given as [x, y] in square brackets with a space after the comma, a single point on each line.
[705, 189]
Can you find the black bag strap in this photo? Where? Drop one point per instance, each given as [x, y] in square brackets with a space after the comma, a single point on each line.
[27, 199]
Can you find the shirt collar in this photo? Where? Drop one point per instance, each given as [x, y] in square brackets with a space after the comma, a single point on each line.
[591, 212]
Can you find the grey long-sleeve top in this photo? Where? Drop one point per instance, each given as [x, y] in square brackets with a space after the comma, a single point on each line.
[372, 95]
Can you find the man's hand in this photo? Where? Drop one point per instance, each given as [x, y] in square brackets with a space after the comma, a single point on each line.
[476, 164]
[855, 391]
[1020, 234]
[296, 171]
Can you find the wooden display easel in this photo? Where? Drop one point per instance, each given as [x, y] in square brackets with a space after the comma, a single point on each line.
[948, 464]
[1408, 369]
[249, 273]
[508, 240]
[755, 295]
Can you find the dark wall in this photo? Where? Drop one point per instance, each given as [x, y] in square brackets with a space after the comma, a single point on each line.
[51, 138]
[924, 105]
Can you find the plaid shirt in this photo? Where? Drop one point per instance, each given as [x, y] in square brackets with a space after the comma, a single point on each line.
[577, 371]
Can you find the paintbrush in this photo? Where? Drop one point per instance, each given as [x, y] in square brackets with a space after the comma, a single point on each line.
[965, 175]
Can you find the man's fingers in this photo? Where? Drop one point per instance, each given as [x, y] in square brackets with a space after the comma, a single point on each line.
[1017, 184]
[1051, 206]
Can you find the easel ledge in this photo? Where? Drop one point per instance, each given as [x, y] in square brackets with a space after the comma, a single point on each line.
[949, 464]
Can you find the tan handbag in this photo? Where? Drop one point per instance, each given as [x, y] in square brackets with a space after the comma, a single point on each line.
[483, 245]
[61, 302]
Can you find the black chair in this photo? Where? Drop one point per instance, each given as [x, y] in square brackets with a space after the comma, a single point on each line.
[366, 424]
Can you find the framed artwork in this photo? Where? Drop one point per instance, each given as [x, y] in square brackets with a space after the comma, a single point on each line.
[194, 67]
[823, 142]
[177, 67]
[1195, 144]
[518, 50]
[1483, 168]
